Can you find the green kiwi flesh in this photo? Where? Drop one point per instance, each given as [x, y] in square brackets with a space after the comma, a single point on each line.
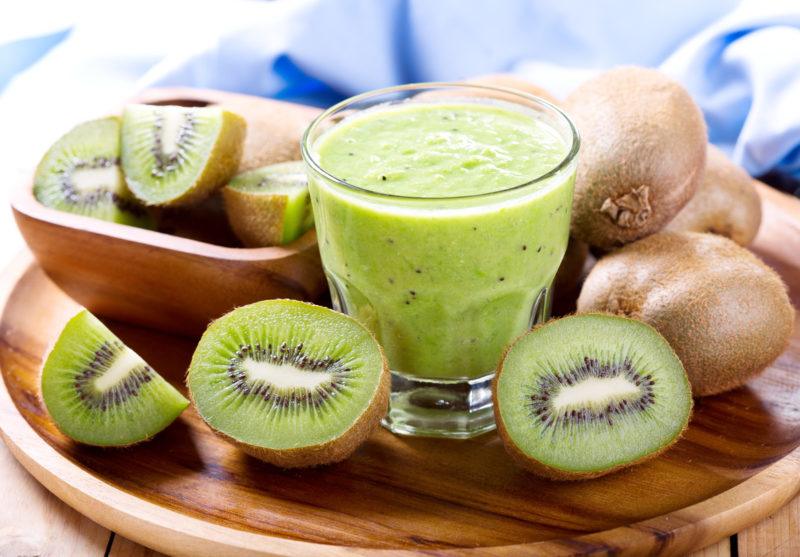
[289, 382]
[582, 396]
[174, 155]
[81, 174]
[100, 392]
[269, 206]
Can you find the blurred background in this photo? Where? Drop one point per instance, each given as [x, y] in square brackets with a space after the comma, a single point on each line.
[64, 62]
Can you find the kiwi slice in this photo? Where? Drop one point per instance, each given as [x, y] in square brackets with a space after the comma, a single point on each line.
[288, 382]
[727, 314]
[100, 392]
[585, 395]
[81, 174]
[174, 155]
[269, 206]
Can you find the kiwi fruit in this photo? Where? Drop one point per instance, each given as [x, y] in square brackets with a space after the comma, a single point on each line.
[726, 203]
[274, 129]
[642, 156]
[174, 155]
[288, 382]
[585, 395]
[269, 206]
[725, 313]
[81, 174]
[100, 392]
[510, 81]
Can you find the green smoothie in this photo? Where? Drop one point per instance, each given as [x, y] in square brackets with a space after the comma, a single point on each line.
[440, 248]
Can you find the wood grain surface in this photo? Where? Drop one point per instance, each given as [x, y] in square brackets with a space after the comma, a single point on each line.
[187, 492]
[180, 281]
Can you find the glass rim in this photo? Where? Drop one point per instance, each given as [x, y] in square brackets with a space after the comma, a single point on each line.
[568, 158]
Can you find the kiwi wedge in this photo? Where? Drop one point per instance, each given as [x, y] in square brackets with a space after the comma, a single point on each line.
[726, 203]
[725, 313]
[582, 396]
[81, 174]
[269, 206]
[643, 153]
[100, 392]
[288, 382]
[173, 155]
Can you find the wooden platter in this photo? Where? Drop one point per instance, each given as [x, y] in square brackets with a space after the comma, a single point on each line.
[187, 492]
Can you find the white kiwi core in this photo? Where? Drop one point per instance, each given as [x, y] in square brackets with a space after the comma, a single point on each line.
[285, 376]
[87, 180]
[125, 361]
[594, 392]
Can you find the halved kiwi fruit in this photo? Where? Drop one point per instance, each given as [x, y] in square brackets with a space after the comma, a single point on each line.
[81, 174]
[174, 155]
[726, 203]
[100, 392]
[726, 314]
[288, 382]
[582, 396]
[269, 206]
[643, 153]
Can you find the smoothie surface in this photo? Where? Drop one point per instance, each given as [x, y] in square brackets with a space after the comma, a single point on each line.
[440, 149]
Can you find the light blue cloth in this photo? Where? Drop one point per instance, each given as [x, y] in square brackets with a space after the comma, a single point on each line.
[741, 62]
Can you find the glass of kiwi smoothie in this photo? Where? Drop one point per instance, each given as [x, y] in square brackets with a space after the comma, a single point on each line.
[442, 213]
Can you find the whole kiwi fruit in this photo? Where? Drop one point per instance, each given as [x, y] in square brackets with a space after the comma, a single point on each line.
[274, 129]
[510, 81]
[642, 154]
[726, 203]
[725, 313]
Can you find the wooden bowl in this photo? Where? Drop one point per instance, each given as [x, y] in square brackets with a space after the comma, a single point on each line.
[179, 282]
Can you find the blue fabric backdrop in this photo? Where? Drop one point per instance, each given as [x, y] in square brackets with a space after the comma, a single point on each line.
[740, 61]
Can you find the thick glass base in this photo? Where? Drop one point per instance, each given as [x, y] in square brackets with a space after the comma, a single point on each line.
[454, 409]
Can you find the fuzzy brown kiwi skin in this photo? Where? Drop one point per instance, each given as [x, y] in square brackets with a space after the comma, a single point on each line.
[510, 81]
[725, 313]
[274, 130]
[642, 154]
[332, 451]
[726, 203]
[543, 470]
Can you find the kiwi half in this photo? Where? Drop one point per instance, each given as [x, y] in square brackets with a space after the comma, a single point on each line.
[290, 383]
[724, 312]
[100, 392]
[726, 203]
[642, 157]
[173, 155]
[81, 174]
[269, 206]
[585, 395]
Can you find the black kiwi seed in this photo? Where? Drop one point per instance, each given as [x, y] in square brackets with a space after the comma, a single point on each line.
[285, 355]
[128, 387]
[548, 386]
[170, 162]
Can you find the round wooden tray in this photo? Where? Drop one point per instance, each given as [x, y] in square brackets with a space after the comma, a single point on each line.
[188, 492]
